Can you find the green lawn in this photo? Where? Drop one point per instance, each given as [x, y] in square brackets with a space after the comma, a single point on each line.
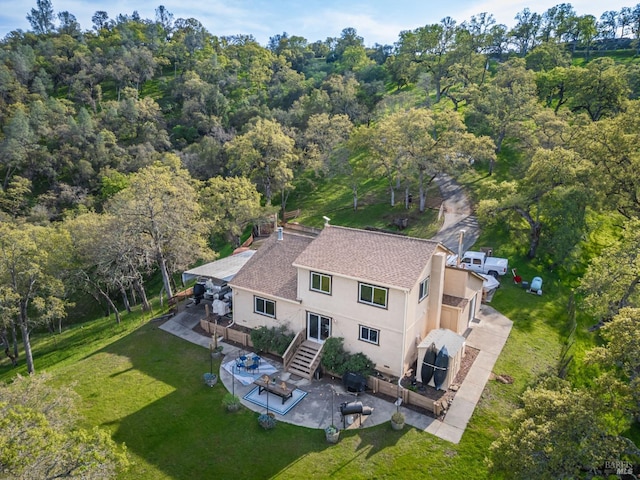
[145, 386]
[317, 198]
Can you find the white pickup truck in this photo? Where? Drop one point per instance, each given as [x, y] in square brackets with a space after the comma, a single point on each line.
[481, 263]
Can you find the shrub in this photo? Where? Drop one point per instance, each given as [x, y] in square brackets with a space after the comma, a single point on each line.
[230, 401]
[334, 355]
[336, 359]
[267, 421]
[331, 430]
[274, 339]
[281, 340]
[261, 338]
[397, 417]
[359, 363]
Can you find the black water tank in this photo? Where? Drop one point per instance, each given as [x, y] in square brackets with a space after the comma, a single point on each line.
[354, 382]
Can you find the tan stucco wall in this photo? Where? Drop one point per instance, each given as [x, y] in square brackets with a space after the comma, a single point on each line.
[288, 313]
[455, 319]
[348, 314]
[438, 276]
[455, 282]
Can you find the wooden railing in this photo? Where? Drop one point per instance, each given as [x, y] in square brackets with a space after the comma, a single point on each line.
[291, 215]
[293, 348]
[302, 228]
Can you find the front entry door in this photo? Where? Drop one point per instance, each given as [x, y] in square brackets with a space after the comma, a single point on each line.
[318, 327]
[472, 310]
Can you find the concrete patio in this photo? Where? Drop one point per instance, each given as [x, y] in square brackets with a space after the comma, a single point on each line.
[318, 409]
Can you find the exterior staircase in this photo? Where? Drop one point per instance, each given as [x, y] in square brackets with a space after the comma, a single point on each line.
[305, 359]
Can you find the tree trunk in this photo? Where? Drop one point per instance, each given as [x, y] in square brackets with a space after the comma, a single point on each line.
[143, 295]
[422, 194]
[14, 340]
[355, 197]
[624, 301]
[283, 201]
[162, 263]
[26, 341]
[534, 236]
[110, 305]
[267, 186]
[535, 229]
[393, 197]
[499, 140]
[7, 349]
[125, 299]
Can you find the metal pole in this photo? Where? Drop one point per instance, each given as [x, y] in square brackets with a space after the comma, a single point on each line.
[267, 390]
[333, 394]
[211, 358]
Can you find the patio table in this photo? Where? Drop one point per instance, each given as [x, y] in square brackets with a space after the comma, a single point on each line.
[281, 389]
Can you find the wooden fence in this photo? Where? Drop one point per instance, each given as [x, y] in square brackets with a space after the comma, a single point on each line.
[227, 333]
[408, 397]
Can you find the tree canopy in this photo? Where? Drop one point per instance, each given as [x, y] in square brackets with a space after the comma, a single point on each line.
[154, 139]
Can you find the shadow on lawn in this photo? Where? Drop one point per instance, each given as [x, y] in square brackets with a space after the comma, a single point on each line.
[179, 425]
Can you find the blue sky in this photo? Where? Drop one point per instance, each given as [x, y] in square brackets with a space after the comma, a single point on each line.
[376, 20]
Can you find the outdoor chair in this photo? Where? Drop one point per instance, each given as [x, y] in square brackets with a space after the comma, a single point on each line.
[241, 363]
[254, 366]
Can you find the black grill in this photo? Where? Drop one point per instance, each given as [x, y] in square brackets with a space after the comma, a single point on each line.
[354, 382]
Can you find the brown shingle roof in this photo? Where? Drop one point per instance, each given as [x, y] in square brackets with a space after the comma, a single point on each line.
[454, 301]
[270, 270]
[379, 258]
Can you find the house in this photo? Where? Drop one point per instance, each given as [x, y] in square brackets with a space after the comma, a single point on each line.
[382, 293]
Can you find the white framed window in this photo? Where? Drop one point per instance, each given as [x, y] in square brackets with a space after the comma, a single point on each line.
[320, 283]
[369, 335]
[372, 295]
[264, 306]
[424, 289]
